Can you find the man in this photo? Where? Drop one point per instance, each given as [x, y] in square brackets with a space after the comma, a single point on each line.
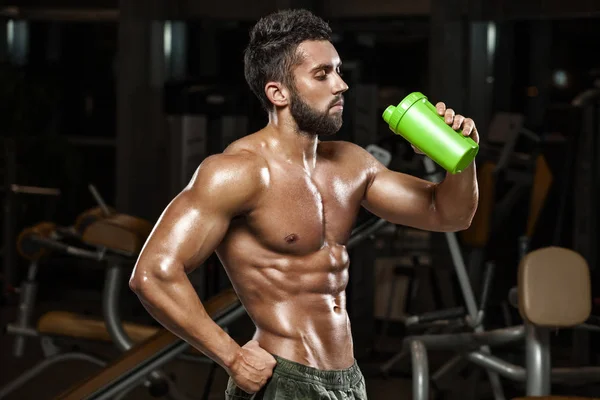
[278, 206]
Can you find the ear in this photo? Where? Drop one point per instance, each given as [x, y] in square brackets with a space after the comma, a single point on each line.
[277, 94]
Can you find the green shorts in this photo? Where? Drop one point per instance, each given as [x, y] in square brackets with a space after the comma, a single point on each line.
[294, 381]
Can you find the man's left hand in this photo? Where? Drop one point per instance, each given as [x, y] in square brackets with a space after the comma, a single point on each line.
[458, 122]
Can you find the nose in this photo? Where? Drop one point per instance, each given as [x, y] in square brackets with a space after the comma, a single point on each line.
[340, 85]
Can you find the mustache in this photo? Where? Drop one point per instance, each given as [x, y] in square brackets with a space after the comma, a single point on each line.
[338, 99]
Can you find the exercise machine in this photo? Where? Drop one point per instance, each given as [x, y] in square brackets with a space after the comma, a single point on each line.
[554, 291]
[469, 316]
[112, 240]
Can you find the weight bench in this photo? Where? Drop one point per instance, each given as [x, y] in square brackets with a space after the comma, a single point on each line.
[100, 235]
[134, 365]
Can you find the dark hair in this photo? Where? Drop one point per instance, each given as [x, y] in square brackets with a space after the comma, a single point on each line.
[271, 52]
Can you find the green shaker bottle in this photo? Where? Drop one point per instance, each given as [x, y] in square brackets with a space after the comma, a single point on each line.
[417, 120]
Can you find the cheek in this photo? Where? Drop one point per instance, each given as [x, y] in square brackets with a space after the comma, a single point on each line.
[319, 100]
[315, 93]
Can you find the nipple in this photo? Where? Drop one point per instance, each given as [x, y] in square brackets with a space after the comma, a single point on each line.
[291, 238]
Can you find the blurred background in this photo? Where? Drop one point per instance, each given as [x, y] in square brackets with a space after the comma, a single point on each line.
[113, 104]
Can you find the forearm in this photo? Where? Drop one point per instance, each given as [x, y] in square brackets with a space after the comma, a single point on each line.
[456, 198]
[173, 302]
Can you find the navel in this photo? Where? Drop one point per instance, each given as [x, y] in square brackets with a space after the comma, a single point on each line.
[292, 238]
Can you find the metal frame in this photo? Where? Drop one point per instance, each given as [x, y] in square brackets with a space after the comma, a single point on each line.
[537, 373]
[23, 329]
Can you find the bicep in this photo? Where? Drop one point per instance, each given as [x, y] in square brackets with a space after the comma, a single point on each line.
[187, 233]
[195, 222]
[402, 199]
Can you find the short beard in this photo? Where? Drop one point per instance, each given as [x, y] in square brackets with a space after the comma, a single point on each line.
[311, 121]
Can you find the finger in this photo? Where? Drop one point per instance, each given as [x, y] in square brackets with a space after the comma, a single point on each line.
[468, 126]
[248, 387]
[267, 374]
[252, 359]
[449, 116]
[272, 361]
[259, 385]
[441, 108]
[261, 360]
[458, 121]
[251, 375]
[256, 382]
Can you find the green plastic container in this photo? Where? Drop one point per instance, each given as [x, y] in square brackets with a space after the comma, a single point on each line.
[417, 120]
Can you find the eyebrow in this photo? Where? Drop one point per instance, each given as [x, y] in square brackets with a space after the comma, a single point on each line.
[324, 67]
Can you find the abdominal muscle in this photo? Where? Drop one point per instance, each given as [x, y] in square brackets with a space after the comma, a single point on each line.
[297, 303]
[308, 331]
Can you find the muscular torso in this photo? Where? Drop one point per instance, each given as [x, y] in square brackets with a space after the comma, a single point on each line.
[287, 259]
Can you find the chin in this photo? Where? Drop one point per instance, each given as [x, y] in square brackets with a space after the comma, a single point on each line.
[331, 133]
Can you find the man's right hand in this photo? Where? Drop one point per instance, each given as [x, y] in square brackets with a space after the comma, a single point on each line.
[252, 367]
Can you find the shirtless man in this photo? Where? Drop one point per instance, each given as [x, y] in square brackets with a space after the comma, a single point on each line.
[278, 206]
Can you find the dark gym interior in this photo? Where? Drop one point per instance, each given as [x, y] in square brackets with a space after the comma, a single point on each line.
[108, 107]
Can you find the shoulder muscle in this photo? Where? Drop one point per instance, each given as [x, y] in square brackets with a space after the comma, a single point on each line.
[355, 155]
[230, 183]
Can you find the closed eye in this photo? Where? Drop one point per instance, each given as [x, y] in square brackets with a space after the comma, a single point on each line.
[324, 70]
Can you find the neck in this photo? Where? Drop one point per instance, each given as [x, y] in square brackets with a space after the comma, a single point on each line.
[296, 146]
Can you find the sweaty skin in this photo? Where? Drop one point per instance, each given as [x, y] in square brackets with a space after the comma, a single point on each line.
[278, 208]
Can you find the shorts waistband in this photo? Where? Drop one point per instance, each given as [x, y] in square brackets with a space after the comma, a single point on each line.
[334, 379]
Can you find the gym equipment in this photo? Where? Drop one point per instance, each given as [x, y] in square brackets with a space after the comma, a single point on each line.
[133, 366]
[554, 292]
[470, 315]
[417, 120]
[124, 374]
[41, 241]
[101, 235]
[12, 196]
